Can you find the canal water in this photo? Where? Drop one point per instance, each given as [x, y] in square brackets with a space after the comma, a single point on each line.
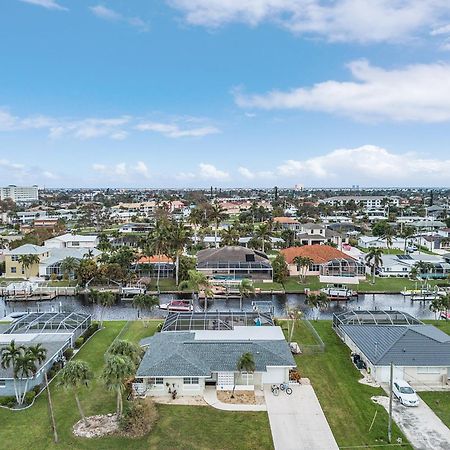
[123, 310]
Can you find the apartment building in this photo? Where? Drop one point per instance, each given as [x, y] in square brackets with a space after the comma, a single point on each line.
[19, 194]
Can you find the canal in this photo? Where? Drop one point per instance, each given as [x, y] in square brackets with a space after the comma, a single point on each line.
[123, 309]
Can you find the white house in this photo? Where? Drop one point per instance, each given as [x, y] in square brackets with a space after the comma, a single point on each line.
[378, 242]
[187, 361]
[69, 240]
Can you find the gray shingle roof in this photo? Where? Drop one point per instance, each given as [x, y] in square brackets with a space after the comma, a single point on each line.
[413, 345]
[178, 354]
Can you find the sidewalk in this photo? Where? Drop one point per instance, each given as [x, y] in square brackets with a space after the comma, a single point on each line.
[210, 397]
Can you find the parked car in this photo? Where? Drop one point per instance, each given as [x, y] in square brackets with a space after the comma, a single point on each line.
[405, 394]
[411, 248]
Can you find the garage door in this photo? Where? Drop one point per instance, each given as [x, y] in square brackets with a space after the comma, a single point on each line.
[225, 380]
[274, 375]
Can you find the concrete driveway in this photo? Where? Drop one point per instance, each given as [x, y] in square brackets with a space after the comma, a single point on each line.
[420, 425]
[297, 421]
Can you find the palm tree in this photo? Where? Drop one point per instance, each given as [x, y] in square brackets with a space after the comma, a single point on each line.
[229, 236]
[389, 235]
[196, 219]
[436, 306]
[216, 215]
[38, 352]
[264, 232]
[117, 369]
[197, 281]
[145, 302]
[374, 259]
[408, 232]
[27, 262]
[69, 265]
[294, 314]
[103, 299]
[179, 237]
[303, 263]
[319, 300]
[9, 356]
[246, 288]
[24, 368]
[157, 243]
[128, 349]
[75, 374]
[246, 363]
[89, 254]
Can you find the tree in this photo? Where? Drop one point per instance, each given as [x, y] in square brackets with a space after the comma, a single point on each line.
[157, 243]
[381, 227]
[246, 287]
[69, 265]
[115, 372]
[280, 270]
[86, 271]
[216, 215]
[27, 261]
[144, 302]
[197, 219]
[197, 281]
[229, 236]
[127, 349]
[294, 315]
[9, 356]
[246, 363]
[408, 232]
[104, 244]
[179, 237]
[24, 368]
[374, 259]
[75, 374]
[318, 301]
[303, 263]
[105, 299]
[264, 232]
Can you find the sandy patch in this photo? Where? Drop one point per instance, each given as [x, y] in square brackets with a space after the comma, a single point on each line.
[188, 400]
[96, 426]
[240, 397]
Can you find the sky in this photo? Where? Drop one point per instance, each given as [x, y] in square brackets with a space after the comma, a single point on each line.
[225, 93]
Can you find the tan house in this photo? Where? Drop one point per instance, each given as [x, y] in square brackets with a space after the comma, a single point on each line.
[15, 269]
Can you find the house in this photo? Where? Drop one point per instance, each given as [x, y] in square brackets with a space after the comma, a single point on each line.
[316, 233]
[161, 266]
[378, 242]
[207, 354]
[287, 223]
[420, 353]
[364, 201]
[327, 261]
[48, 262]
[136, 228]
[69, 240]
[234, 262]
[401, 265]
[54, 331]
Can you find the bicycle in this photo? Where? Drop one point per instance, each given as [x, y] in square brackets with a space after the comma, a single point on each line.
[285, 387]
[275, 389]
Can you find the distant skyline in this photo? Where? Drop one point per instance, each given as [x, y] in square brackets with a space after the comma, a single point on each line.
[194, 93]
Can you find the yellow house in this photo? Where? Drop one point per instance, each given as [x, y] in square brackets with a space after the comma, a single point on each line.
[14, 268]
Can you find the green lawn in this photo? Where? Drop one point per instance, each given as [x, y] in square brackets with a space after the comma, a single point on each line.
[439, 402]
[346, 403]
[165, 284]
[179, 427]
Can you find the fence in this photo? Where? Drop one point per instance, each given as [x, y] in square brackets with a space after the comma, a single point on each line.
[318, 347]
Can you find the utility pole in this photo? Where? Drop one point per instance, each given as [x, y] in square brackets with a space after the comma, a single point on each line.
[390, 403]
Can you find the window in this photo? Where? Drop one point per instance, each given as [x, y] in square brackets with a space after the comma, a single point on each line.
[428, 370]
[15, 258]
[13, 269]
[190, 380]
[75, 244]
[2, 383]
[157, 381]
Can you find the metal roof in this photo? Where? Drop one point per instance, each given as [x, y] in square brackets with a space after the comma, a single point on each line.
[411, 345]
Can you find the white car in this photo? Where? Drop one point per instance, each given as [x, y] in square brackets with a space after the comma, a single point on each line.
[405, 394]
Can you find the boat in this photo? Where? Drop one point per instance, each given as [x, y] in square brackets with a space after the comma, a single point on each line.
[132, 290]
[339, 292]
[445, 315]
[177, 305]
[424, 294]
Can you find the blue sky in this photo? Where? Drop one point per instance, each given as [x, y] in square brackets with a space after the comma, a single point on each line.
[196, 93]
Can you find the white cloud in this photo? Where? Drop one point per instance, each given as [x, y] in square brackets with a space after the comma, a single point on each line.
[92, 128]
[173, 130]
[20, 173]
[414, 93]
[368, 164]
[123, 170]
[252, 175]
[48, 4]
[339, 20]
[113, 16]
[211, 172]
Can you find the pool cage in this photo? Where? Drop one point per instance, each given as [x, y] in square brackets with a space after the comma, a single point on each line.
[342, 267]
[219, 320]
[74, 323]
[376, 317]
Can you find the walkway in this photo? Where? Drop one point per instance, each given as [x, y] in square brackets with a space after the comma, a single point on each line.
[210, 397]
[420, 425]
[297, 421]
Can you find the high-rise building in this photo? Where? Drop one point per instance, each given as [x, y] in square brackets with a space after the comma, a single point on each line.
[20, 194]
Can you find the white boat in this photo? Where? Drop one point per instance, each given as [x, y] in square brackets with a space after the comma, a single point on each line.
[338, 292]
[177, 305]
[132, 290]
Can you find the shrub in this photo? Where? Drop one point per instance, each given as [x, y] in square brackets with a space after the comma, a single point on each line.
[29, 397]
[68, 353]
[79, 342]
[9, 401]
[139, 418]
[159, 327]
[93, 327]
[37, 388]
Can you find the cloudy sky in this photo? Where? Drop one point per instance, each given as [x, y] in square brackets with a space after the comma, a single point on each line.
[174, 93]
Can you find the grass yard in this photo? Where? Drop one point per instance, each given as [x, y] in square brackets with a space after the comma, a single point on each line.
[165, 284]
[186, 427]
[346, 403]
[439, 402]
